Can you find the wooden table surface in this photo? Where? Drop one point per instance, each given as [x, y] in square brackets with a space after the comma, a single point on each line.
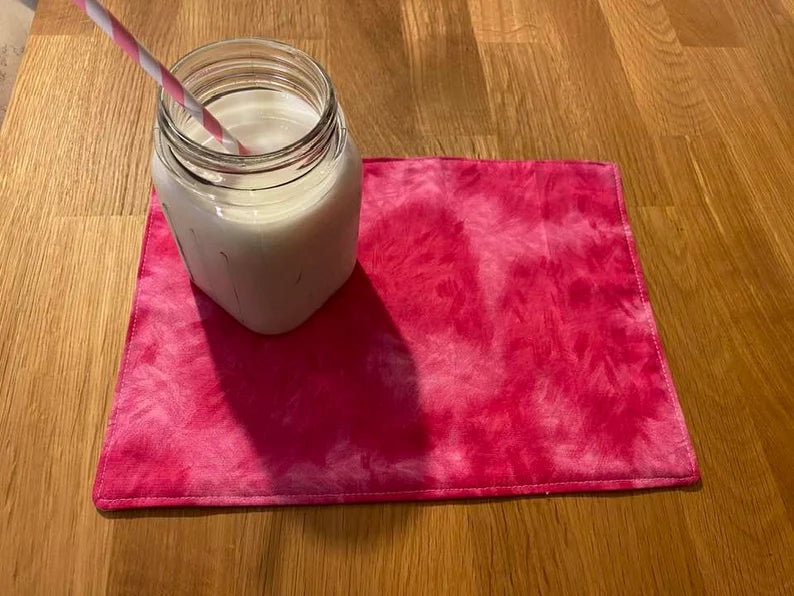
[694, 99]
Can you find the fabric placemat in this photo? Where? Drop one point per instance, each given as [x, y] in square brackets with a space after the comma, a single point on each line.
[496, 338]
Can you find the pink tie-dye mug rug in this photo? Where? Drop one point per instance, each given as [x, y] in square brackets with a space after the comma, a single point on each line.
[495, 338]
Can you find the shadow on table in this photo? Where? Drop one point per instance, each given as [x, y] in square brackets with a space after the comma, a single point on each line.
[332, 407]
[288, 533]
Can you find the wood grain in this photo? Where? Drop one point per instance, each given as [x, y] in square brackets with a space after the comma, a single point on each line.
[706, 23]
[691, 97]
[668, 98]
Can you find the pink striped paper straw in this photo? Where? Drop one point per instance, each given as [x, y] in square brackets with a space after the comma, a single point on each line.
[155, 69]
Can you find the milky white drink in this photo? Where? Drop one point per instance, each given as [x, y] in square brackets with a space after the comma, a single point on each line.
[273, 243]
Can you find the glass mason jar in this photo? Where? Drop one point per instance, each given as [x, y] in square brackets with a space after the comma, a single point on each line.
[272, 235]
